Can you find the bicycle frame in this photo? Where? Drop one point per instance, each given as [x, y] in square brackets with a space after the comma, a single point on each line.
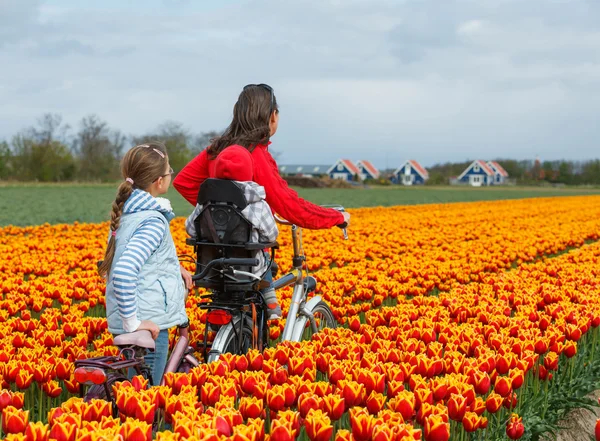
[296, 278]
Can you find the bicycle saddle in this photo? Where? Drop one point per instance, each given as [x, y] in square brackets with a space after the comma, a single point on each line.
[143, 339]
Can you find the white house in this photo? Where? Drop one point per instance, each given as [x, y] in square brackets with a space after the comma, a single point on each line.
[410, 173]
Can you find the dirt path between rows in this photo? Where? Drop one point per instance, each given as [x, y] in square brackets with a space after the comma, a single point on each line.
[579, 424]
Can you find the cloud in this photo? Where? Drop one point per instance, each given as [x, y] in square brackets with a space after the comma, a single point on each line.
[391, 79]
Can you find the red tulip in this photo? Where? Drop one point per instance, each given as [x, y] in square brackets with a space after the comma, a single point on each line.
[210, 394]
[515, 427]
[493, 403]
[14, 420]
[343, 435]
[52, 389]
[570, 349]
[23, 379]
[597, 430]
[471, 422]
[436, 429]
[361, 423]
[352, 391]
[503, 385]
[551, 361]
[375, 402]
[306, 402]
[318, 426]
[37, 431]
[276, 398]
[251, 407]
[457, 406]
[404, 403]
[134, 430]
[281, 430]
[335, 406]
[63, 431]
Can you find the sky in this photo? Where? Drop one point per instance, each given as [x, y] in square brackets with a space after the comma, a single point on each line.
[382, 80]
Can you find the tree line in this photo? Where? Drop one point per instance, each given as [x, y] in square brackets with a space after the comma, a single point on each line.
[51, 151]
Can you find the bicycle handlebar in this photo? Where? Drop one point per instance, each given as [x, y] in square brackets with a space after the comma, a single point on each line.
[225, 261]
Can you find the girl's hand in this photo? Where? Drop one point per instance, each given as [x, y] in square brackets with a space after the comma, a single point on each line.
[149, 326]
[187, 277]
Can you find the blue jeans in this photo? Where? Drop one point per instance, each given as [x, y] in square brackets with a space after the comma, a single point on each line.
[157, 360]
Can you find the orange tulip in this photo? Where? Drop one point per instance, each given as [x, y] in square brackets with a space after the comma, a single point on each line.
[335, 406]
[306, 402]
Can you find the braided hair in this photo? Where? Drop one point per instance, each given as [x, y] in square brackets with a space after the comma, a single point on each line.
[140, 167]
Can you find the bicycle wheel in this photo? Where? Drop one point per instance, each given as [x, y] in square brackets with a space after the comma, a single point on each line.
[227, 340]
[323, 319]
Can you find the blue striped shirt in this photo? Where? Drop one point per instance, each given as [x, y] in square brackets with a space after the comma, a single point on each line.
[144, 241]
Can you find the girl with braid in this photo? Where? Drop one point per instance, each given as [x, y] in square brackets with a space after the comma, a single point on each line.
[146, 285]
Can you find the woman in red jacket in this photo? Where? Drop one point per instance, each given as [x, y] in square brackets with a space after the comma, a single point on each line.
[255, 120]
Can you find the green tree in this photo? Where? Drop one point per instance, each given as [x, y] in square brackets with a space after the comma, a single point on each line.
[40, 152]
[98, 150]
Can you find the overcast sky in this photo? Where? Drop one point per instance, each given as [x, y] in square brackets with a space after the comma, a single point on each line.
[384, 80]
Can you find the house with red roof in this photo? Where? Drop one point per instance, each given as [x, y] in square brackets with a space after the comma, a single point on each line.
[410, 173]
[500, 175]
[344, 169]
[478, 173]
[367, 170]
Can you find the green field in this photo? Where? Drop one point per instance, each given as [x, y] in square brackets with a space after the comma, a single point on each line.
[33, 204]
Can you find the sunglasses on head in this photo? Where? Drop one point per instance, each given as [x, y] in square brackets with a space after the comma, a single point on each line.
[267, 87]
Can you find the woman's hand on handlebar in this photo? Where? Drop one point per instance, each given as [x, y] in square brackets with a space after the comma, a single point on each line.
[149, 326]
[346, 217]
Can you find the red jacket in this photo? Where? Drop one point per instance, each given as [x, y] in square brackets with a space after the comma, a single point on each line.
[282, 199]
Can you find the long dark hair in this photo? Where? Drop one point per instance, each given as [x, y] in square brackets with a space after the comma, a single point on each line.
[140, 166]
[250, 124]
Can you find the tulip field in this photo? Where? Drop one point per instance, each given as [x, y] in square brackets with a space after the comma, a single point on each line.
[465, 321]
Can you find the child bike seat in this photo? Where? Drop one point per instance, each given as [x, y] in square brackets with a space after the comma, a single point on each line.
[142, 338]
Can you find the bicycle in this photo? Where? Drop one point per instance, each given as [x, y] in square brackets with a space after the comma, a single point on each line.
[99, 374]
[240, 316]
